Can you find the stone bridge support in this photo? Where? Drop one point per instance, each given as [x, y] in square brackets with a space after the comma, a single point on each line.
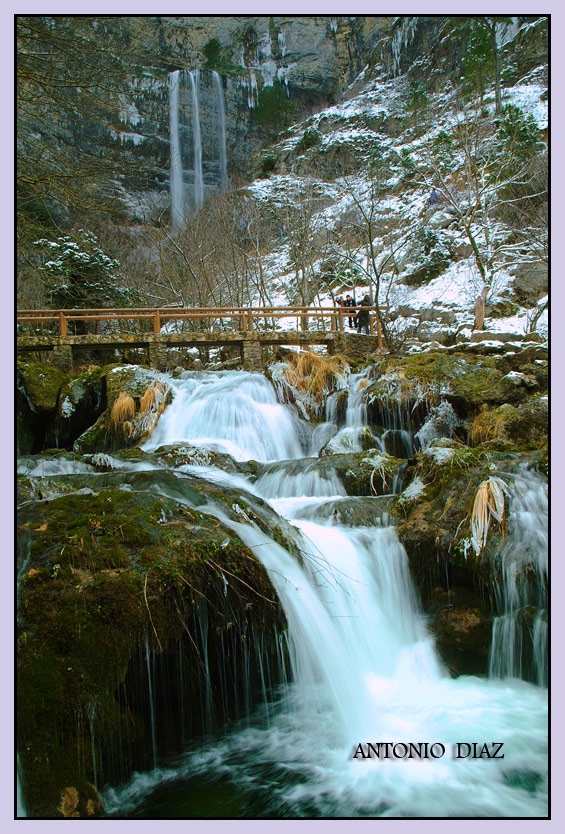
[62, 356]
[158, 354]
[252, 355]
[353, 346]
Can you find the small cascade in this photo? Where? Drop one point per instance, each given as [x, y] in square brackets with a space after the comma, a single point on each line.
[297, 479]
[356, 412]
[232, 412]
[354, 430]
[399, 415]
[519, 636]
[194, 76]
[224, 182]
[178, 218]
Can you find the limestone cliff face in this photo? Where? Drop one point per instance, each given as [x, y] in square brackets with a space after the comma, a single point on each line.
[274, 70]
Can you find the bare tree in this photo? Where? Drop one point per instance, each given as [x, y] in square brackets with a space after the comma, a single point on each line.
[486, 178]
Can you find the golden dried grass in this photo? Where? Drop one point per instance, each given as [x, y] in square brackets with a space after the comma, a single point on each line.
[68, 803]
[313, 374]
[153, 397]
[489, 505]
[122, 410]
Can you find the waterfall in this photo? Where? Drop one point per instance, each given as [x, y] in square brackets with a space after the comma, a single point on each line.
[194, 76]
[232, 412]
[363, 663]
[176, 176]
[519, 637]
[177, 188]
[224, 182]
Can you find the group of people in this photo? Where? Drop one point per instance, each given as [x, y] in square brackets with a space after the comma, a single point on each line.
[358, 320]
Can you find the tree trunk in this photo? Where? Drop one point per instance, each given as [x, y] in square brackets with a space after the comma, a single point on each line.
[496, 59]
[480, 310]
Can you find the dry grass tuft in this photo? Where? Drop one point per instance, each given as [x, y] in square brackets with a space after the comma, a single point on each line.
[68, 803]
[123, 410]
[489, 505]
[314, 375]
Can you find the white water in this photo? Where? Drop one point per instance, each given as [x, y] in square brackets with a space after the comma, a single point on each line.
[232, 412]
[176, 177]
[194, 76]
[364, 664]
[523, 581]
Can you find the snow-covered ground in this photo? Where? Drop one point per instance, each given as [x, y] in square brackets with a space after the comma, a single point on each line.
[398, 212]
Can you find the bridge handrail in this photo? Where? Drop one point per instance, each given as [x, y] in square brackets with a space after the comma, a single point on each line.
[246, 315]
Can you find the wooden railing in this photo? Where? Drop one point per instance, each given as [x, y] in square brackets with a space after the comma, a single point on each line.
[246, 319]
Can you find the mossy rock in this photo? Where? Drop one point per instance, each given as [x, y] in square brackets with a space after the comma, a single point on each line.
[40, 384]
[434, 527]
[97, 438]
[81, 401]
[463, 635]
[414, 383]
[103, 573]
[509, 427]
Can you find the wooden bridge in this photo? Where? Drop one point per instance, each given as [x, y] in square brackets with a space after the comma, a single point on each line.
[64, 333]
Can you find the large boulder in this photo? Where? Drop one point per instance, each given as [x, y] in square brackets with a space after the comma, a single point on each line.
[112, 581]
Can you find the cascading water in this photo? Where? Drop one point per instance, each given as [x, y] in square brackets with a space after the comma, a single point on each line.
[194, 76]
[519, 641]
[232, 412]
[224, 182]
[178, 79]
[364, 668]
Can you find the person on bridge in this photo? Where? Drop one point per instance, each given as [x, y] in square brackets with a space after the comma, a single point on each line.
[350, 302]
[363, 316]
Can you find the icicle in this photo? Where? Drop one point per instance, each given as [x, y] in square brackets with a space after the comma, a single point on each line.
[151, 701]
[176, 177]
[224, 182]
[197, 140]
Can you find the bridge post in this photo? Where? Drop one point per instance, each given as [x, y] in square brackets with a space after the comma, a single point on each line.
[252, 355]
[157, 354]
[62, 356]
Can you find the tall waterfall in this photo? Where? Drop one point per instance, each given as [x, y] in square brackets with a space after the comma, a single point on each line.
[179, 124]
[194, 76]
[224, 182]
[176, 178]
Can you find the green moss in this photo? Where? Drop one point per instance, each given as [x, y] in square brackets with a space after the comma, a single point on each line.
[104, 571]
[519, 428]
[41, 384]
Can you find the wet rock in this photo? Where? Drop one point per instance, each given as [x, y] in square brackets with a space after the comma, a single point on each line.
[106, 577]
